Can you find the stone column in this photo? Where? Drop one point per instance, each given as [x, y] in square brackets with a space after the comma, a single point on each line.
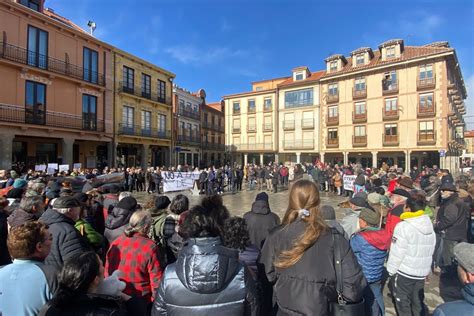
[245, 159]
[145, 151]
[111, 154]
[407, 161]
[298, 157]
[321, 157]
[346, 158]
[68, 147]
[6, 147]
[374, 159]
[261, 159]
[276, 158]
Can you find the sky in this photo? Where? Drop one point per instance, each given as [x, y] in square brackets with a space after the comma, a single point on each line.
[224, 45]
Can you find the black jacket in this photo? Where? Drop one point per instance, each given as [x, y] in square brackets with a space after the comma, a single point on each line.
[4, 255]
[260, 220]
[452, 218]
[20, 217]
[116, 223]
[67, 241]
[307, 287]
[207, 279]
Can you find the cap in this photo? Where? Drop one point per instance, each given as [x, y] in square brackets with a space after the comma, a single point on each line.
[358, 201]
[406, 182]
[373, 198]
[127, 203]
[448, 186]
[464, 254]
[371, 217]
[328, 212]
[401, 192]
[162, 202]
[66, 202]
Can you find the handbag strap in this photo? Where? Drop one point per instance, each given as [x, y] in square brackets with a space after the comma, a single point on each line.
[338, 266]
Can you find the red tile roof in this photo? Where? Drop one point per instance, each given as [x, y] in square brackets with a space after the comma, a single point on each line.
[410, 52]
[49, 12]
[315, 76]
[469, 134]
[215, 105]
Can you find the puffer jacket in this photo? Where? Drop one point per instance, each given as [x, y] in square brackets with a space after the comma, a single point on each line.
[413, 244]
[207, 279]
[452, 219]
[67, 241]
[260, 220]
[370, 257]
[116, 223]
[307, 287]
[461, 307]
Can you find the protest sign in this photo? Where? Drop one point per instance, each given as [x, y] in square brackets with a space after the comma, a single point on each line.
[63, 168]
[178, 181]
[51, 171]
[53, 166]
[40, 167]
[77, 165]
[348, 181]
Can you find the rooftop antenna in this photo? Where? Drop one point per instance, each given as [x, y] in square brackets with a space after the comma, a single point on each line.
[92, 26]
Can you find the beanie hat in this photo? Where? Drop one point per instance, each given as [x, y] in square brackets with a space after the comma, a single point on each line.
[373, 198]
[361, 194]
[162, 202]
[371, 217]
[128, 203]
[358, 201]
[262, 196]
[464, 254]
[328, 212]
[81, 197]
[19, 184]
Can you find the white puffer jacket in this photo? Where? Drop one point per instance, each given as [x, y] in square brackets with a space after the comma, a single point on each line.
[412, 248]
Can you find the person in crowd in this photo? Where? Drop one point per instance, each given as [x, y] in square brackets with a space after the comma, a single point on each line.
[84, 224]
[350, 222]
[405, 183]
[371, 252]
[260, 178]
[275, 175]
[292, 254]
[398, 200]
[4, 255]
[82, 291]
[118, 219]
[464, 254]
[260, 220]
[446, 177]
[179, 207]
[207, 277]
[236, 237]
[360, 181]
[337, 180]
[30, 209]
[409, 261]
[268, 178]
[27, 283]
[67, 241]
[328, 213]
[392, 182]
[203, 182]
[110, 199]
[159, 214]
[137, 257]
[284, 173]
[157, 179]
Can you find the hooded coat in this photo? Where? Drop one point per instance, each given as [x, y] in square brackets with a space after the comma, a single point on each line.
[260, 220]
[461, 307]
[20, 217]
[452, 218]
[207, 279]
[116, 223]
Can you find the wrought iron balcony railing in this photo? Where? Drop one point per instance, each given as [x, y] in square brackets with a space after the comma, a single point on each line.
[137, 130]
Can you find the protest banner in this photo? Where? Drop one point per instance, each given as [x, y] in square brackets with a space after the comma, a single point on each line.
[77, 165]
[50, 171]
[178, 181]
[40, 167]
[53, 166]
[348, 181]
[63, 168]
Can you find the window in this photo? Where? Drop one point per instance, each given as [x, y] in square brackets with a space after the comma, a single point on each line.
[128, 117]
[359, 84]
[161, 91]
[267, 104]
[146, 122]
[32, 4]
[333, 65]
[236, 125]
[183, 128]
[195, 108]
[37, 47]
[360, 108]
[298, 98]
[89, 112]
[332, 133]
[426, 127]
[360, 60]
[236, 107]
[206, 118]
[161, 124]
[390, 52]
[128, 79]
[426, 101]
[390, 80]
[181, 106]
[35, 105]
[391, 104]
[146, 86]
[299, 76]
[251, 106]
[390, 129]
[332, 89]
[359, 131]
[258, 88]
[189, 106]
[426, 72]
[91, 65]
[190, 129]
[333, 111]
[459, 132]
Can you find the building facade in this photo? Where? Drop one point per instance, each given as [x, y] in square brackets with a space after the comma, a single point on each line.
[187, 110]
[143, 112]
[213, 134]
[56, 83]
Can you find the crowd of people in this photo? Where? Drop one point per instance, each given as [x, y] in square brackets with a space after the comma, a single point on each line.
[79, 243]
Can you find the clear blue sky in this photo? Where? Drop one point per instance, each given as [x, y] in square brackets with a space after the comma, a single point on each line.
[223, 45]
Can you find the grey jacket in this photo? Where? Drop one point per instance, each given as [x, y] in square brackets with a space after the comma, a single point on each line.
[207, 279]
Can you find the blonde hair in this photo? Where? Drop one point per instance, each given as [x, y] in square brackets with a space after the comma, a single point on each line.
[303, 195]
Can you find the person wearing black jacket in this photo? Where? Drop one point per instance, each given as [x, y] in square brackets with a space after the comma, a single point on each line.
[118, 219]
[298, 258]
[4, 255]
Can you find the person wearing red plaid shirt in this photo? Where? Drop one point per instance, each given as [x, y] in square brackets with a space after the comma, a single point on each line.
[137, 258]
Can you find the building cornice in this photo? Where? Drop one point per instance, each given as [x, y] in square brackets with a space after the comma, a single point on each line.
[249, 93]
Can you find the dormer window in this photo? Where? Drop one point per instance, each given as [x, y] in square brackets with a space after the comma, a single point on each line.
[32, 4]
[390, 52]
[299, 76]
[333, 65]
[360, 59]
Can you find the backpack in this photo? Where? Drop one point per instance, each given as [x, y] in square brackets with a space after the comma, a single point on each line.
[157, 230]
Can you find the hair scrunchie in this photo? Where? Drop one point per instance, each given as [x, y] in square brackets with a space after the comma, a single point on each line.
[303, 213]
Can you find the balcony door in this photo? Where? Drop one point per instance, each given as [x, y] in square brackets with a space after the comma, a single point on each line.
[35, 103]
[89, 112]
[37, 47]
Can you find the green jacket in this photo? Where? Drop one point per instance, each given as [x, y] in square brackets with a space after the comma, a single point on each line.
[86, 230]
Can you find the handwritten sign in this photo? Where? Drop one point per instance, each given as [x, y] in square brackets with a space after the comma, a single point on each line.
[77, 165]
[348, 181]
[40, 167]
[53, 166]
[178, 181]
[63, 168]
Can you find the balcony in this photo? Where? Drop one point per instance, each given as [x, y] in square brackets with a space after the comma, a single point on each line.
[426, 110]
[390, 115]
[359, 117]
[251, 128]
[137, 92]
[187, 140]
[236, 129]
[390, 140]
[255, 147]
[332, 98]
[190, 114]
[298, 144]
[236, 112]
[332, 120]
[23, 56]
[267, 107]
[267, 127]
[426, 83]
[426, 138]
[213, 146]
[288, 125]
[359, 94]
[18, 114]
[251, 110]
[307, 123]
[389, 87]
[332, 143]
[359, 141]
[137, 130]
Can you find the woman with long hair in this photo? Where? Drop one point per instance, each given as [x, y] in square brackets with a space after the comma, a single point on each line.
[298, 258]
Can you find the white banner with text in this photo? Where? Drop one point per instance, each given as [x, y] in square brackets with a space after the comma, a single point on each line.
[178, 181]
